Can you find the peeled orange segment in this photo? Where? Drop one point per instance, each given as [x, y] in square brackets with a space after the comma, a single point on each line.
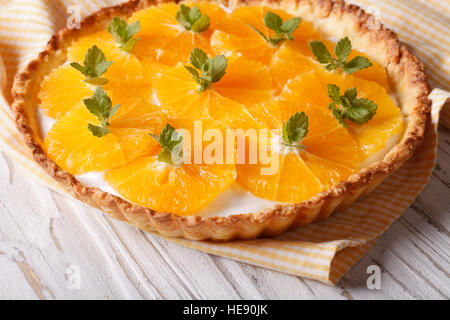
[61, 90]
[296, 182]
[247, 74]
[376, 136]
[180, 190]
[372, 136]
[178, 94]
[327, 172]
[151, 69]
[288, 63]
[137, 113]
[163, 39]
[290, 180]
[135, 142]
[73, 147]
[125, 66]
[245, 81]
[252, 47]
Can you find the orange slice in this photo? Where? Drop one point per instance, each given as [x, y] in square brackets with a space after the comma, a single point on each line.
[234, 34]
[178, 94]
[61, 90]
[287, 63]
[180, 190]
[163, 39]
[73, 147]
[371, 136]
[375, 73]
[295, 175]
[125, 66]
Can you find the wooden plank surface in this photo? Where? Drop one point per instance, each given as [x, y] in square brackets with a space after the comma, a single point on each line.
[43, 235]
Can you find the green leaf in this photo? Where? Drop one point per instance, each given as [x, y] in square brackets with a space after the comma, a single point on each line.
[338, 114]
[182, 15]
[98, 131]
[212, 70]
[273, 21]
[283, 30]
[343, 49]
[362, 110]
[320, 52]
[201, 24]
[334, 92]
[219, 66]
[123, 33]
[198, 58]
[95, 65]
[351, 94]
[357, 63]
[295, 129]
[100, 106]
[171, 142]
[289, 26]
[348, 106]
[192, 19]
[194, 14]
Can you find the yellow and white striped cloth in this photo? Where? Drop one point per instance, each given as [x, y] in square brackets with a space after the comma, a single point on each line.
[323, 251]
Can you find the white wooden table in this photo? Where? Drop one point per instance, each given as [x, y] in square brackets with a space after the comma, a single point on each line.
[48, 242]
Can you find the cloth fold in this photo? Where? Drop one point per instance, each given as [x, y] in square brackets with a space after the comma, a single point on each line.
[322, 251]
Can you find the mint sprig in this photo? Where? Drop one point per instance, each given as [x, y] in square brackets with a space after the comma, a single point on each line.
[342, 51]
[171, 142]
[95, 65]
[212, 69]
[192, 19]
[123, 33]
[295, 129]
[101, 107]
[348, 106]
[283, 30]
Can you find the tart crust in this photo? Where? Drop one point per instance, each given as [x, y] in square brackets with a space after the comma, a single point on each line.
[334, 19]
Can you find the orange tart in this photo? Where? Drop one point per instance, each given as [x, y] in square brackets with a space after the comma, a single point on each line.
[222, 120]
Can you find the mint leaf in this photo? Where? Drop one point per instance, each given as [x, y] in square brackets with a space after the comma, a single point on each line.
[348, 106]
[357, 63]
[95, 65]
[171, 142]
[98, 131]
[201, 24]
[342, 50]
[273, 21]
[362, 110]
[351, 94]
[198, 58]
[320, 52]
[123, 33]
[100, 106]
[289, 26]
[334, 92]
[295, 129]
[192, 19]
[212, 69]
[283, 30]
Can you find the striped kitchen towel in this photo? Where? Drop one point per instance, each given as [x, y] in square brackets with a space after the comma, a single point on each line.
[323, 251]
